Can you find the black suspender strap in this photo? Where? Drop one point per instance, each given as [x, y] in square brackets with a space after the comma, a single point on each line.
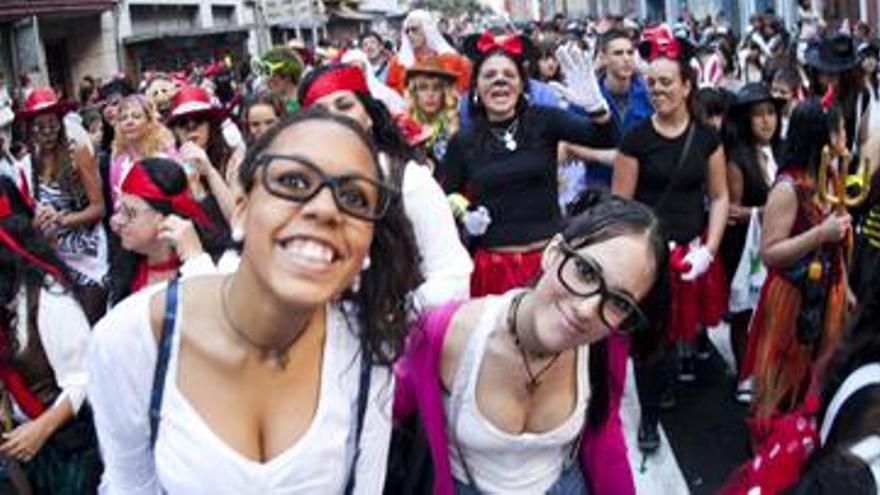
[161, 369]
[362, 398]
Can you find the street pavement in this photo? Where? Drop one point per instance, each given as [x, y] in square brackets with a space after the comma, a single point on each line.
[704, 435]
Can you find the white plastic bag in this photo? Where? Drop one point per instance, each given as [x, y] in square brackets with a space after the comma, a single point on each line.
[745, 287]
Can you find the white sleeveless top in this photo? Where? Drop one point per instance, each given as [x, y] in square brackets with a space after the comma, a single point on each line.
[501, 462]
[191, 458]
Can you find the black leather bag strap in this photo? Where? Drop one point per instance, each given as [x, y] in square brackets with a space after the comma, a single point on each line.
[161, 370]
[674, 178]
[362, 399]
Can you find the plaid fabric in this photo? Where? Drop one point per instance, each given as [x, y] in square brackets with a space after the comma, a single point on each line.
[55, 472]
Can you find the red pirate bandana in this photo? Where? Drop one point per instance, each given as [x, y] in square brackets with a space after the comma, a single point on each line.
[511, 44]
[139, 183]
[342, 78]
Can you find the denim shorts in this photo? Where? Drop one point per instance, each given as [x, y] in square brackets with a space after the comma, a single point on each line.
[570, 482]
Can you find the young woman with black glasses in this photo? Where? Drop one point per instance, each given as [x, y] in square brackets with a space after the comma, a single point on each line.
[512, 389]
[275, 378]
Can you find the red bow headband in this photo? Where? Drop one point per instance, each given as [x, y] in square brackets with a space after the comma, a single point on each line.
[510, 44]
[15, 246]
[139, 183]
[341, 78]
[659, 42]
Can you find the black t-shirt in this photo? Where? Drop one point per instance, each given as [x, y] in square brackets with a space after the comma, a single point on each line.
[682, 214]
[519, 188]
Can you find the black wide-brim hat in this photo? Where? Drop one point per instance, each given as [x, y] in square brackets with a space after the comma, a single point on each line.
[835, 53]
[754, 93]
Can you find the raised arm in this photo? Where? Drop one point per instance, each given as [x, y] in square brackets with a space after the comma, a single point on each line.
[626, 176]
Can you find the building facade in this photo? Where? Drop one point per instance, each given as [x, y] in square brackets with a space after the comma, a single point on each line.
[168, 35]
[304, 20]
[56, 42]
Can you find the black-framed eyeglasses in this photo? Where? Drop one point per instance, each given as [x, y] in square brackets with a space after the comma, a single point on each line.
[129, 213]
[297, 178]
[582, 277]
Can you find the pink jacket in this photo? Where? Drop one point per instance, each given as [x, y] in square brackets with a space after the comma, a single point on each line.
[603, 451]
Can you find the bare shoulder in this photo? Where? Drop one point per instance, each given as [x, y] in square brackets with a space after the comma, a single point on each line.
[195, 299]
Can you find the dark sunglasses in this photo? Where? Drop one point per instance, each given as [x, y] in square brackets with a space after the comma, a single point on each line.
[297, 178]
[189, 123]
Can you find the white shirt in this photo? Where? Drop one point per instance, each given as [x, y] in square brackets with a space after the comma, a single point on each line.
[503, 462]
[64, 333]
[189, 456]
[446, 264]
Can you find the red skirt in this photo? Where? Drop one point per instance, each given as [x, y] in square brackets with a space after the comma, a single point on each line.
[696, 304]
[497, 272]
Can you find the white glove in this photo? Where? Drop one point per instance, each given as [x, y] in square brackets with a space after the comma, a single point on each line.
[476, 222]
[582, 86]
[700, 259]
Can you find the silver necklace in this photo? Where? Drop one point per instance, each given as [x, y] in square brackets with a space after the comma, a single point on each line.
[508, 136]
[280, 354]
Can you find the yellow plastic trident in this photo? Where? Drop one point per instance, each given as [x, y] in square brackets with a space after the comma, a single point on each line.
[839, 197]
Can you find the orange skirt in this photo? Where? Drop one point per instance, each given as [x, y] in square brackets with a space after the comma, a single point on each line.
[782, 366]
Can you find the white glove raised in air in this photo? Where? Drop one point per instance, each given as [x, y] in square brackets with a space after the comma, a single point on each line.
[581, 84]
[477, 221]
[699, 259]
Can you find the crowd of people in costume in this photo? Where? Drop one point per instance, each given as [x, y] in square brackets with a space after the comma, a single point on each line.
[421, 262]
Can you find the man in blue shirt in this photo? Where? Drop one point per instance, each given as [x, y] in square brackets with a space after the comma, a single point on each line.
[622, 88]
[627, 98]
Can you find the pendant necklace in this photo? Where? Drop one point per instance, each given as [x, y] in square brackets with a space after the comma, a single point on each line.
[508, 136]
[534, 380]
[280, 354]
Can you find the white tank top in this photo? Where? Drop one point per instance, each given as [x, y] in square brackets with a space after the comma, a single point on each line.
[501, 462]
[190, 456]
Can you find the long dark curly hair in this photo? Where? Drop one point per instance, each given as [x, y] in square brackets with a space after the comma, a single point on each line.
[16, 271]
[172, 180]
[384, 305]
[64, 174]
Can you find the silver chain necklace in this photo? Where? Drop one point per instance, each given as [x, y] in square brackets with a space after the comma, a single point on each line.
[280, 354]
[508, 136]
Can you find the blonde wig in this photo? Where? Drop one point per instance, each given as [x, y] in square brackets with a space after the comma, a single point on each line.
[447, 117]
[157, 137]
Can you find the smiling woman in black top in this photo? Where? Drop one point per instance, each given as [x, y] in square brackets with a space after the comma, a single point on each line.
[505, 161]
[671, 162]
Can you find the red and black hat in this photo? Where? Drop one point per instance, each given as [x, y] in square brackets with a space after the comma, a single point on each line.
[193, 101]
[43, 100]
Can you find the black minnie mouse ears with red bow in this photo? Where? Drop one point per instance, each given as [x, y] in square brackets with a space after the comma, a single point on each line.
[659, 42]
[477, 46]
